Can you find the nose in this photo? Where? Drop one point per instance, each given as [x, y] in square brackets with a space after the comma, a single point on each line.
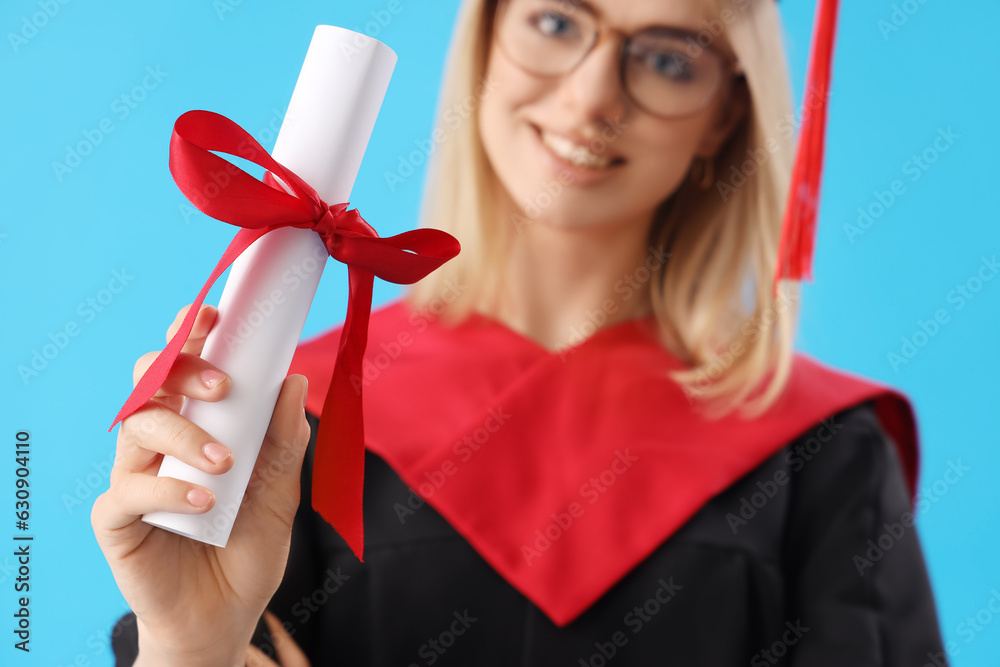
[592, 92]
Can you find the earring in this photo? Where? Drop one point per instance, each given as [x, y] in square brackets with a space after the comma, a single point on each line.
[703, 173]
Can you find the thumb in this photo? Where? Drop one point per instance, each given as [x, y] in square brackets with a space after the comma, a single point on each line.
[279, 464]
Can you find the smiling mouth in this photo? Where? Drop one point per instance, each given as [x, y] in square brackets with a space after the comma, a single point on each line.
[575, 154]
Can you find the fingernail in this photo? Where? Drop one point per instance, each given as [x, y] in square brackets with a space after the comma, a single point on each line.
[215, 452]
[199, 497]
[211, 378]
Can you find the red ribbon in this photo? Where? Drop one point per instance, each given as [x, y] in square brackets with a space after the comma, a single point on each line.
[798, 229]
[225, 192]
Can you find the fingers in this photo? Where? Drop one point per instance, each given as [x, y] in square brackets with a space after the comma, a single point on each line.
[289, 653]
[288, 428]
[190, 376]
[155, 429]
[144, 436]
[202, 325]
[288, 432]
[137, 494]
[256, 658]
[279, 464]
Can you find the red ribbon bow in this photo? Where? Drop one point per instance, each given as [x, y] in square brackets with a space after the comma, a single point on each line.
[259, 207]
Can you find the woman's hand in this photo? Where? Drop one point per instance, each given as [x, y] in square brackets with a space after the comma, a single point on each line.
[196, 603]
[289, 652]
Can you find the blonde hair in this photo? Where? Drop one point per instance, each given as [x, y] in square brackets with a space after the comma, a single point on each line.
[713, 298]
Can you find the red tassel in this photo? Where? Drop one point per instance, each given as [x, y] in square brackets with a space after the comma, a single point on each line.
[798, 229]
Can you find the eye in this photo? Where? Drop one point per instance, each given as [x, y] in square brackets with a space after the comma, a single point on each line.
[669, 65]
[554, 24]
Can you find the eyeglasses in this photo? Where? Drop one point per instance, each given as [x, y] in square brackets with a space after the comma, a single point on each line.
[665, 71]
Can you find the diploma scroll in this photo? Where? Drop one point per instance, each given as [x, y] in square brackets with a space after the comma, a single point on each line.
[271, 285]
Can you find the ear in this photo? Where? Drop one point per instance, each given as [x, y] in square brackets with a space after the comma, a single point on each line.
[733, 108]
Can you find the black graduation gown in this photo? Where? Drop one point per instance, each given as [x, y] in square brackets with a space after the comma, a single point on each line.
[819, 570]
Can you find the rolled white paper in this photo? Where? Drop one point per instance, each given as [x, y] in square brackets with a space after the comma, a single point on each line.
[272, 284]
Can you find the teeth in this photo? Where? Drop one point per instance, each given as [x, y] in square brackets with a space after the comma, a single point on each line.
[578, 155]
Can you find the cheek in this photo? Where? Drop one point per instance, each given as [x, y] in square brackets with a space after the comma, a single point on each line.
[665, 155]
[494, 123]
[669, 146]
[503, 128]
[495, 127]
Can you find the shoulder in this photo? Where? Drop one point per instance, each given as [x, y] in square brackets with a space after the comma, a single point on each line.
[841, 459]
[849, 430]
[853, 438]
[850, 407]
[845, 465]
[836, 473]
[851, 545]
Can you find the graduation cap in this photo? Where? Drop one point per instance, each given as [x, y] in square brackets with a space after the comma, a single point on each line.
[798, 228]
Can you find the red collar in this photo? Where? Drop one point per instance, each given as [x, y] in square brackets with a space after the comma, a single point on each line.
[498, 434]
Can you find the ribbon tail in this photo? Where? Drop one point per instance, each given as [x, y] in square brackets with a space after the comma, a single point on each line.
[154, 376]
[339, 465]
[403, 259]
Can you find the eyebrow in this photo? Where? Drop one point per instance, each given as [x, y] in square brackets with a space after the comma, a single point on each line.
[652, 27]
[582, 3]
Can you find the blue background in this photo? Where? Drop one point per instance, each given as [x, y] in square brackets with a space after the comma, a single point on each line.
[62, 237]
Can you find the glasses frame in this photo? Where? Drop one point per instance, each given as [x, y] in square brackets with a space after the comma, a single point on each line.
[604, 31]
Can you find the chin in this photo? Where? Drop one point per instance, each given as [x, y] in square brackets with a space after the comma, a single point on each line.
[572, 219]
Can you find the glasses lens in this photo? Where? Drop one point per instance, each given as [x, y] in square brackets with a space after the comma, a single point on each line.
[670, 76]
[546, 36]
[665, 72]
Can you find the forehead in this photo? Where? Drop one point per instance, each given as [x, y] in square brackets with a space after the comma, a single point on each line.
[630, 15]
